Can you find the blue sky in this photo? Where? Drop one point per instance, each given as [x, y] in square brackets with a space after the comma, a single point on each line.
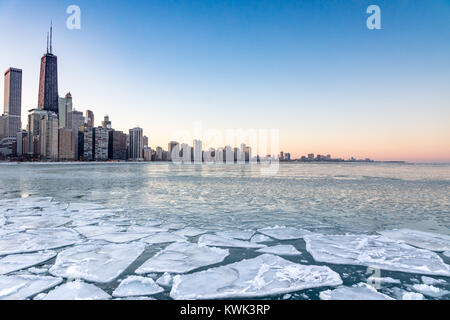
[311, 69]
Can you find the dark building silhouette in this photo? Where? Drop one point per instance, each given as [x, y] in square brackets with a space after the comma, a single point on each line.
[48, 81]
[117, 145]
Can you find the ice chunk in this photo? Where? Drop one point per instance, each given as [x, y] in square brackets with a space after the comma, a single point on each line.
[361, 291]
[38, 270]
[281, 250]
[190, 232]
[219, 241]
[146, 229]
[120, 237]
[37, 240]
[257, 238]
[431, 281]
[237, 234]
[379, 280]
[164, 237]
[284, 233]
[137, 286]
[38, 222]
[183, 257]
[77, 290]
[2, 221]
[425, 240]
[96, 263]
[165, 280]
[21, 287]
[16, 262]
[92, 231]
[262, 276]
[412, 296]
[430, 290]
[376, 252]
[447, 254]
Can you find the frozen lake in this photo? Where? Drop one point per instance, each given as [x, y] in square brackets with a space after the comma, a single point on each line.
[157, 230]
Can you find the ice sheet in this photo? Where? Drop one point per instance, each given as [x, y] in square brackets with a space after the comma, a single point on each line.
[96, 263]
[21, 287]
[38, 222]
[237, 234]
[257, 238]
[220, 241]
[262, 276]
[164, 237]
[77, 290]
[425, 240]
[430, 290]
[376, 252]
[190, 232]
[120, 237]
[37, 240]
[16, 262]
[284, 233]
[137, 286]
[183, 257]
[281, 250]
[361, 291]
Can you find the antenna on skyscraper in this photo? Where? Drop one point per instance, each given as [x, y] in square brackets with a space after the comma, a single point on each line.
[47, 42]
[51, 34]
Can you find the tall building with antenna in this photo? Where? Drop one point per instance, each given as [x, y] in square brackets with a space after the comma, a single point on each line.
[48, 82]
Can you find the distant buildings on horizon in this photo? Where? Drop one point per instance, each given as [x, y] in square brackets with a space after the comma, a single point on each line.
[56, 131]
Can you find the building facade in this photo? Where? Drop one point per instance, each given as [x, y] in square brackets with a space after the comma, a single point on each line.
[66, 144]
[48, 80]
[136, 144]
[117, 145]
[48, 133]
[101, 137]
[13, 102]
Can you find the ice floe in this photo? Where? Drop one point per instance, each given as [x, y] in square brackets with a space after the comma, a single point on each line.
[237, 234]
[361, 291]
[37, 240]
[16, 262]
[190, 232]
[412, 296]
[119, 237]
[257, 238]
[92, 231]
[21, 287]
[430, 290]
[38, 222]
[137, 286]
[146, 229]
[77, 290]
[96, 263]
[262, 276]
[220, 241]
[376, 252]
[281, 250]
[165, 280]
[164, 237]
[284, 233]
[447, 253]
[431, 281]
[183, 257]
[382, 280]
[424, 240]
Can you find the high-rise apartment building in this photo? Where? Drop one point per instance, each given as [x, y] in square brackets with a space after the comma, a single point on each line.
[198, 153]
[66, 144]
[90, 119]
[64, 109]
[136, 146]
[101, 137]
[117, 145]
[86, 143]
[48, 133]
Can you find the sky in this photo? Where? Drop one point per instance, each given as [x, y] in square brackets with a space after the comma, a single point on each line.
[310, 69]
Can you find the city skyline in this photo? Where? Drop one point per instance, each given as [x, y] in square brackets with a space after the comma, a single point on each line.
[366, 101]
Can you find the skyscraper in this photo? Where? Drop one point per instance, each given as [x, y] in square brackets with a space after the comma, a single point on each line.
[48, 82]
[117, 145]
[198, 154]
[90, 118]
[106, 123]
[64, 108]
[101, 137]
[48, 134]
[13, 102]
[136, 144]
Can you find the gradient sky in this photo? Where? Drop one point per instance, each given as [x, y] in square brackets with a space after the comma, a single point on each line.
[311, 69]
